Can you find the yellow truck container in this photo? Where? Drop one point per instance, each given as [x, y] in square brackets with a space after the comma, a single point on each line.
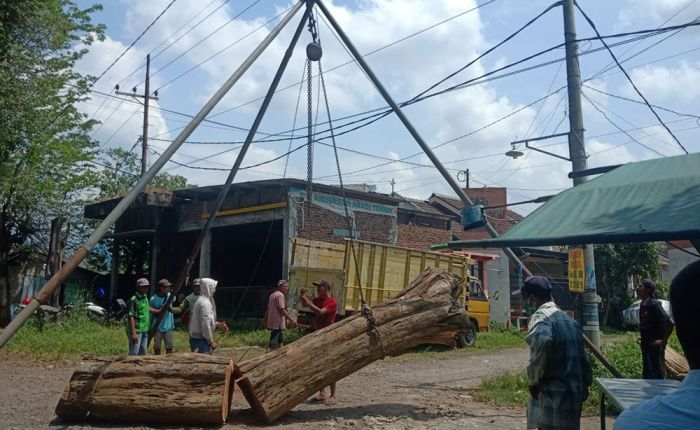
[383, 271]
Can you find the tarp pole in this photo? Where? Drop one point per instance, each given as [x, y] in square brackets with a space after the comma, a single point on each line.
[126, 201]
[184, 273]
[407, 123]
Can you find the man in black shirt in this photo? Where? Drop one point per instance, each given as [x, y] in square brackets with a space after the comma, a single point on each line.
[655, 327]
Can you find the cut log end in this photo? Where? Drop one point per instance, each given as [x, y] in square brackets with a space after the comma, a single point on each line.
[172, 389]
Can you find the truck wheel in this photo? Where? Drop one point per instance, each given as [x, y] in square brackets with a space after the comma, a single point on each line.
[467, 338]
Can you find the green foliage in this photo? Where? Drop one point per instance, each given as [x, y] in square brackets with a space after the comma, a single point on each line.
[77, 334]
[615, 264]
[44, 140]
[122, 170]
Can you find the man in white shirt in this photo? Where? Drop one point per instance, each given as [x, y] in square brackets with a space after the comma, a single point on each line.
[678, 410]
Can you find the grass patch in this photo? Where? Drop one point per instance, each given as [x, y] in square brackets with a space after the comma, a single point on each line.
[499, 338]
[77, 335]
[508, 389]
[512, 389]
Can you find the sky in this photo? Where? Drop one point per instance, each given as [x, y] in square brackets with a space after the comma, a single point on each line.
[196, 46]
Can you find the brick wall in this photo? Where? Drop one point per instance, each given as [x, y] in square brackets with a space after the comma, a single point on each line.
[421, 237]
[319, 224]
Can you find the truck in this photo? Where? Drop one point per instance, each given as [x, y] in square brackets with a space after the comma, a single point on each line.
[382, 271]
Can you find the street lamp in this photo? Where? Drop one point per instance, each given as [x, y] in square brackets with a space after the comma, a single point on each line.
[515, 153]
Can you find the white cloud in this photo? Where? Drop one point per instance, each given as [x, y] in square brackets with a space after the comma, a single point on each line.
[636, 11]
[667, 83]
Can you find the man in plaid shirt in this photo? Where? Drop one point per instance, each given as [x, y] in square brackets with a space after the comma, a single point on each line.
[559, 373]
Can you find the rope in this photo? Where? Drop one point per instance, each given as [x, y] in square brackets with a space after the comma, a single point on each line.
[366, 310]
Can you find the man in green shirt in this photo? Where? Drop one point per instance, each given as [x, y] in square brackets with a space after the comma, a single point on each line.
[138, 318]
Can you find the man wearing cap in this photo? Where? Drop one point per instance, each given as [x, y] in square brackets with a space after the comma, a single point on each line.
[654, 329]
[276, 315]
[325, 308]
[164, 332]
[186, 306]
[559, 373]
[138, 318]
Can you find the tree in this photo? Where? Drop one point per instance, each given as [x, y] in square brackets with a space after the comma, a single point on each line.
[121, 172]
[44, 143]
[616, 263]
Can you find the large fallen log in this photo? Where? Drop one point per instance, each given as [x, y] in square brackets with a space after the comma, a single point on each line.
[676, 365]
[171, 389]
[426, 312]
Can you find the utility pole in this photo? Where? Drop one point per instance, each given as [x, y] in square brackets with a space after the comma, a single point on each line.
[146, 96]
[577, 153]
[392, 186]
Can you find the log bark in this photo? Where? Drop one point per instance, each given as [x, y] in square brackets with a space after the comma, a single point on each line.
[676, 365]
[426, 312]
[172, 389]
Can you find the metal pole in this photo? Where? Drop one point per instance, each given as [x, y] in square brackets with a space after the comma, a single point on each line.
[395, 107]
[127, 200]
[146, 98]
[577, 153]
[184, 273]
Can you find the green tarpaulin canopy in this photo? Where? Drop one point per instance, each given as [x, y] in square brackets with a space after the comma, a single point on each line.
[653, 200]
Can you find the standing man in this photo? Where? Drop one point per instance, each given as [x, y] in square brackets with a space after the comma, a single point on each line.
[277, 315]
[325, 308]
[164, 332]
[185, 308]
[203, 320]
[678, 410]
[654, 329]
[138, 318]
[559, 373]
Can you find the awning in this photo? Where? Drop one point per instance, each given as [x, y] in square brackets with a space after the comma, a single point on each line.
[653, 200]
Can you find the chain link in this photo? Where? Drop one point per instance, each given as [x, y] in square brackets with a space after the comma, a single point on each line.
[309, 135]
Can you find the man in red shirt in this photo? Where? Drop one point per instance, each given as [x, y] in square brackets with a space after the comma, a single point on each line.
[325, 307]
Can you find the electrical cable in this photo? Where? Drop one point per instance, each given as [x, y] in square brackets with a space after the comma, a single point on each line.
[189, 20]
[683, 249]
[629, 79]
[595, 105]
[641, 103]
[203, 40]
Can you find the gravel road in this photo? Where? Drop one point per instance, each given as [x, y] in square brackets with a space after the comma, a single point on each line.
[412, 392]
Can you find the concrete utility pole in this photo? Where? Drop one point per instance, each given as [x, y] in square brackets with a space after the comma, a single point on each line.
[577, 153]
[146, 96]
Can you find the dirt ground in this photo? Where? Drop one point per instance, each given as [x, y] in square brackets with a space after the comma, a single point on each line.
[414, 392]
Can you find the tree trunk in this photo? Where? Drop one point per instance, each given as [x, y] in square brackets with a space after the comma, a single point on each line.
[54, 256]
[426, 312]
[173, 389]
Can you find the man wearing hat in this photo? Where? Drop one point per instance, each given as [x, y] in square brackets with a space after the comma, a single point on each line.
[559, 373]
[138, 318]
[325, 308]
[655, 327]
[164, 332]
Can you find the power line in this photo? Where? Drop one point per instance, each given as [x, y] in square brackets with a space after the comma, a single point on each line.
[227, 47]
[381, 48]
[595, 105]
[92, 84]
[205, 38]
[590, 22]
[641, 103]
[172, 34]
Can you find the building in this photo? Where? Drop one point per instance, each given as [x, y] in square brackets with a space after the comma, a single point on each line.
[248, 248]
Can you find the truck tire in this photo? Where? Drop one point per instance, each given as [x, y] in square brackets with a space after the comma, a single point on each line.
[468, 338]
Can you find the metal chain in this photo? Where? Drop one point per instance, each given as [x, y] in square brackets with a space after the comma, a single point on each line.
[366, 311]
[309, 135]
